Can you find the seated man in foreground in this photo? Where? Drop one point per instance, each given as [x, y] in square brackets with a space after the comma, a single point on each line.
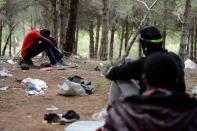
[123, 76]
[31, 47]
[157, 109]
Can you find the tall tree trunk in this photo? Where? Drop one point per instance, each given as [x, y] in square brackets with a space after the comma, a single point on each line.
[195, 42]
[126, 33]
[5, 46]
[24, 29]
[121, 41]
[112, 42]
[14, 46]
[75, 46]
[1, 29]
[105, 28]
[31, 20]
[54, 18]
[10, 47]
[185, 28]
[71, 28]
[191, 43]
[91, 34]
[62, 24]
[164, 22]
[97, 36]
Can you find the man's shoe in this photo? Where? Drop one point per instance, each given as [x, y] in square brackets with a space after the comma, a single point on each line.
[53, 119]
[23, 61]
[63, 63]
[70, 116]
[59, 66]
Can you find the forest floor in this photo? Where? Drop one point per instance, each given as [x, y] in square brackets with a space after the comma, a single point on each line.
[19, 112]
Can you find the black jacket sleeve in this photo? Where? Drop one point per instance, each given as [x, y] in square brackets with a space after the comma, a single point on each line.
[130, 70]
[180, 87]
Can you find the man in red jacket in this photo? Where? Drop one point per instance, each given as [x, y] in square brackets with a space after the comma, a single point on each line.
[31, 47]
[158, 108]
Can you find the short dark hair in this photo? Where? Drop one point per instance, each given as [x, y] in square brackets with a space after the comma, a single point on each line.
[151, 39]
[45, 32]
[160, 70]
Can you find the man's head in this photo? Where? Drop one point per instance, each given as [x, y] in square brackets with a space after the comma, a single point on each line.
[160, 71]
[45, 32]
[151, 40]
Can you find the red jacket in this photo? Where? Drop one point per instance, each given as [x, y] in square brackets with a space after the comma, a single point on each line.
[176, 112]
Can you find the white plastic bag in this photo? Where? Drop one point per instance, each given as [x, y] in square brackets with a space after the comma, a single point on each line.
[5, 72]
[190, 64]
[70, 88]
[39, 84]
[194, 90]
[100, 116]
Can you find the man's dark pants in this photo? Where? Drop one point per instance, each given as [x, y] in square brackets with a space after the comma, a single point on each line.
[52, 53]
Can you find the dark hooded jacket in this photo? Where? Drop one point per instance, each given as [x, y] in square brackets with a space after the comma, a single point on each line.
[134, 70]
[177, 112]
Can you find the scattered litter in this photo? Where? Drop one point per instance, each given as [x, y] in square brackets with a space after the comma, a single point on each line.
[4, 88]
[100, 116]
[52, 108]
[29, 116]
[39, 84]
[11, 62]
[189, 64]
[71, 89]
[84, 126]
[194, 90]
[101, 64]
[46, 69]
[5, 72]
[37, 87]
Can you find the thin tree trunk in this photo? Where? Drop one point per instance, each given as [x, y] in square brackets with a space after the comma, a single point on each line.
[76, 42]
[105, 28]
[138, 30]
[14, 46]
[185, 28]
[91, 47]
[164, 22]
[54, 18]
[10, 47]
[71, 28]
[24, 29]
[62, 24]
[31, 23]
[5, 46]
[1, 29]
[195, 42]
[97, 36]
[8, 38]
[188, 41]
[112, 42]
[191, 43]
[121, 41]
[126, 33]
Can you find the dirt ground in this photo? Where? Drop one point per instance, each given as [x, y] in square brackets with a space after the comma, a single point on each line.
[19, 112]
